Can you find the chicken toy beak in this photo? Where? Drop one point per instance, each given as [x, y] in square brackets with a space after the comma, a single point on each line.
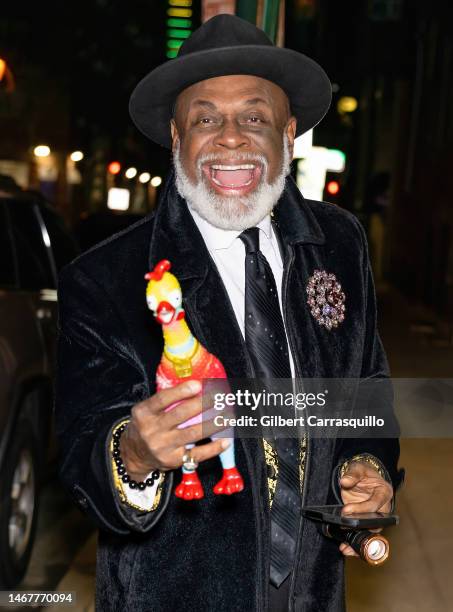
[165, 313]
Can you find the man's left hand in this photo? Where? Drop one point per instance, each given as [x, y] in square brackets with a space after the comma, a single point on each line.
[363, 490]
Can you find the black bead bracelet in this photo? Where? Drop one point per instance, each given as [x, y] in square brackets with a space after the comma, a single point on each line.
[121, 469]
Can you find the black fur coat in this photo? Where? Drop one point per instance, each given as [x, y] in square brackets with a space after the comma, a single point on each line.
[211, 555]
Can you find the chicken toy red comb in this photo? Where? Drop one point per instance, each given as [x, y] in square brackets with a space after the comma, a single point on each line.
[163, 266]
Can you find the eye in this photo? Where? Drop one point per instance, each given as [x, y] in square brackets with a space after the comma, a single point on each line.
[151, 301]
[255, 119]
[206, 121]
[175, 299]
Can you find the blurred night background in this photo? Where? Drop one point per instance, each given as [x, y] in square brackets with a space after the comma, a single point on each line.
[384, 152]
[71, 68]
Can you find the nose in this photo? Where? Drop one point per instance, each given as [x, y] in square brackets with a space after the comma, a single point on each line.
[231, 136]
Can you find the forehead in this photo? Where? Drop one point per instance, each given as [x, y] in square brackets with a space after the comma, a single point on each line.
[233, 89]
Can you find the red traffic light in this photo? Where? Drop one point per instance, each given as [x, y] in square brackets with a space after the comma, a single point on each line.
[333, 187]
[114, 167]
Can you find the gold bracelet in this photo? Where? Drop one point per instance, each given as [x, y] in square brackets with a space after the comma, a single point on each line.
[367, 458]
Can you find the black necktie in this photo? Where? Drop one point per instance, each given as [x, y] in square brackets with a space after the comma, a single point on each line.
[268, 348]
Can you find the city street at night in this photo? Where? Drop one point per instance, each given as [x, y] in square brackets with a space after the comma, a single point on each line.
[226, 306]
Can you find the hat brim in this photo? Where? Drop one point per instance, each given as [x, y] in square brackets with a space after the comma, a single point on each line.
[305, 83]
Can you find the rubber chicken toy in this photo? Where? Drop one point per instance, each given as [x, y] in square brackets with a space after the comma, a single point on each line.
[185, 358]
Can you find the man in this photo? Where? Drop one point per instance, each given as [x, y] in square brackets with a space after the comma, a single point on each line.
[230, 107]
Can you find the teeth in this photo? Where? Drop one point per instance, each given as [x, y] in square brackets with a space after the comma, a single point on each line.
[214, 180]
[240, 167]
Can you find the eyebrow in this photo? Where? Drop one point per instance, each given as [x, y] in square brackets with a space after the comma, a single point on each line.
[207, 104]
[204, 103]
[254, 101]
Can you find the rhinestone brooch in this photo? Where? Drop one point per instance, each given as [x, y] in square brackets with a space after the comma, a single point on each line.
[326, 299]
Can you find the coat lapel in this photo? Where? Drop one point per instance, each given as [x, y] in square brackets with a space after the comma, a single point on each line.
[299, 230]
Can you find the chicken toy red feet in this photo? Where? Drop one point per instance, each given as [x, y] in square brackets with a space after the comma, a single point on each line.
[190, 487]
[231, 482]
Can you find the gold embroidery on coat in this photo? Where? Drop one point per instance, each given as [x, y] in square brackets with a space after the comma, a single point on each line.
[271, 458]
[371, 459]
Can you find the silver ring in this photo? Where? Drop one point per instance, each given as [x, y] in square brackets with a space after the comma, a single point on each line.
[189, 463]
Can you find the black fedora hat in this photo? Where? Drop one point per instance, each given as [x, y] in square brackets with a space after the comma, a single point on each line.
[222, 46]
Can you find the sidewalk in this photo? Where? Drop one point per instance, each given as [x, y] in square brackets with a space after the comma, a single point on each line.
[418, 576]
[80, 578]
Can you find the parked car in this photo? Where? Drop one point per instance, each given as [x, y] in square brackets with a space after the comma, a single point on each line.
[34, 245]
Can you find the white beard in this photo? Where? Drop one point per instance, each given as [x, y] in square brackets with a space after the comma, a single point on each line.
[232, 212]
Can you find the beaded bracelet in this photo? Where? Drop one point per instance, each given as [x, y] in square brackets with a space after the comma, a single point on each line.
[121, 469]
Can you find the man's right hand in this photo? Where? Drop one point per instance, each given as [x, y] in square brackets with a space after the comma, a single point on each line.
[152, 440]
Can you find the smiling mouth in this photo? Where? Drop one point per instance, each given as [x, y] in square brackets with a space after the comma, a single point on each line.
[232, 176]
[236, 178]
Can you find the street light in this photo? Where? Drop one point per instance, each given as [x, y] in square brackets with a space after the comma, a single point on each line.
[333, 187]
[156, 181]
[76, 156]
[347, 104]
[42, 151]
[131, 173]
[144, 177]
[114, 167]
[6, 76]
[118, 199]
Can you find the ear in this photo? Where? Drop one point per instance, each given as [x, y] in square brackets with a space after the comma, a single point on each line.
[174, 134]
[290, 131]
